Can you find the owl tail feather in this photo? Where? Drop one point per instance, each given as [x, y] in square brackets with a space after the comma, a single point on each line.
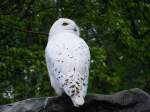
[77, 101]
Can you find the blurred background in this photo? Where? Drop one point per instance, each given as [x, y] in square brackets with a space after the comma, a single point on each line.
[117, 32]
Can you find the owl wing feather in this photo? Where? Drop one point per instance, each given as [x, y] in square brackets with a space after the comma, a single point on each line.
[68, 59]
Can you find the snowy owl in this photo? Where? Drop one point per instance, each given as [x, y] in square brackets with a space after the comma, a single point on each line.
[68, 59]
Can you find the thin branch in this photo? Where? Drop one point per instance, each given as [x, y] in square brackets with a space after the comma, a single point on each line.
[25, 31]
[32, 32]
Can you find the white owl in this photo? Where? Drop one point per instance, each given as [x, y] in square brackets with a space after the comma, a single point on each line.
[68, 60]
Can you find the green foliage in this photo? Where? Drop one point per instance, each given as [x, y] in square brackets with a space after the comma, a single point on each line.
[117, 32]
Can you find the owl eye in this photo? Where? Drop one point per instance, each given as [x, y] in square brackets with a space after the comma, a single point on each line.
[65, 24]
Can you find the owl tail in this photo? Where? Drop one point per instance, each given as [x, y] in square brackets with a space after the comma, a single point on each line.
[74, 88]
[77, 101]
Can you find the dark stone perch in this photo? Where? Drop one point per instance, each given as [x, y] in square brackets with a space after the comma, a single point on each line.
[133, 100]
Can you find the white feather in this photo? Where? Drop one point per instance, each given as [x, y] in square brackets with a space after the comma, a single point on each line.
[67, 58]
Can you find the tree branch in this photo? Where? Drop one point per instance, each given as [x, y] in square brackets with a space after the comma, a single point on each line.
[25, 31]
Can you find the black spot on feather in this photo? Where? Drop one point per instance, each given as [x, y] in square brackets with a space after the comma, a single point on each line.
[72, 86]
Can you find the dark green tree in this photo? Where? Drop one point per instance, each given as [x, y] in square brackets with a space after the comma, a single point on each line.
[117, 33]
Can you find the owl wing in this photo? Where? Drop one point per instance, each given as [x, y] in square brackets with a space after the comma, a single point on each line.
[68, 59]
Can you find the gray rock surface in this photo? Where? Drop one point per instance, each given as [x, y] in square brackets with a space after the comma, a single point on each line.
[133, 100]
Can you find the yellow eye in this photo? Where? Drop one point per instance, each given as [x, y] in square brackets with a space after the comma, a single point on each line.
[65, 24]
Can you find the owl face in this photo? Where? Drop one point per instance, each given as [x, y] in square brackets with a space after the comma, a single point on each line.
[64, 25]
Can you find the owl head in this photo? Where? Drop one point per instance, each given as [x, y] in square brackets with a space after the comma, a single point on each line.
[63, 25]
